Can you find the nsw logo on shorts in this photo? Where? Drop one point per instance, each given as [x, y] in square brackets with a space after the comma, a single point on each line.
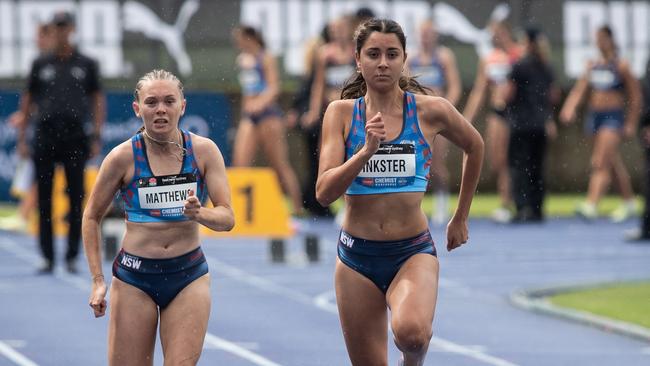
[346, 240]
[131, 262]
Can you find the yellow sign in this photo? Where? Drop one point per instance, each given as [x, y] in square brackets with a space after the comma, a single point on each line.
[258, 203]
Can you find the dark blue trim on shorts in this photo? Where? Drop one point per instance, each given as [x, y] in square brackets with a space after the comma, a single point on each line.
[596, 120]
[379, 261]
[270, 111]
[161, 279]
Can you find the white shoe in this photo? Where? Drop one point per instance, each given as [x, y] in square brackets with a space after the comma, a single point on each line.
[624, 212]
[502, 215]
[586, 211]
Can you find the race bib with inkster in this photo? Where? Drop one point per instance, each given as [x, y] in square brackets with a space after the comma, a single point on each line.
[393, 165]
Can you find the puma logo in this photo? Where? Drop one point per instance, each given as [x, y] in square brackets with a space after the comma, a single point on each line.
[139, 18]
[452, 22]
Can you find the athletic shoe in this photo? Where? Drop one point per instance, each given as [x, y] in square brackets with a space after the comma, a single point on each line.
[625, 211]
[46, 268]
[634, 235]
[71, 266]
[502, 215]
[586, 210]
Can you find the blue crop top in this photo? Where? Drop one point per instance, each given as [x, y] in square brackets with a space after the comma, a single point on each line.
[401, 165]
[150, 198]
[606, 77]
[431, 75]
[252, 79]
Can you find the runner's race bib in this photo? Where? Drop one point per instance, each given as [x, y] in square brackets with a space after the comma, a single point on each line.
[393, 165]
[165, 195]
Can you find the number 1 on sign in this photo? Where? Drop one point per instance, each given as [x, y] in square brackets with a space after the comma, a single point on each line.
[247, 191]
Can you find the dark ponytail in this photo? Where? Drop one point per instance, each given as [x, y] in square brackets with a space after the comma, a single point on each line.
[355, 86]
[250, 32]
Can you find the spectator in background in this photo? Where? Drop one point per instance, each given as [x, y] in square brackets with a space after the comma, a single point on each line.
[435, 67]
[296, 117]
[643, 232]
[530, 98]
[362, 15]
[24, 186]
[261, 123]
[612, 89]
[65, 88]
[492, 75]
[301, 108]
[334, 65]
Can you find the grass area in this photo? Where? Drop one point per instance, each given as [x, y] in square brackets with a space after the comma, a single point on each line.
[7, 209]
[555, 206]
[629, 302]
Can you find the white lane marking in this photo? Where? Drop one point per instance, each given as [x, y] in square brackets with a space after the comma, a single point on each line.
[237, 350]
[258, 282]
[324, 301]
[472, 352]
[15, 356]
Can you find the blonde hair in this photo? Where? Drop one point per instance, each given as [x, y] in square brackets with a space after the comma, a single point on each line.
[156, 74]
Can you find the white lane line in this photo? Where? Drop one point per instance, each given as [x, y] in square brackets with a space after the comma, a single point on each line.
[469, 352]
[15, 356]
[323, 301]
[326, 302]
[257, 282]
[237, 350]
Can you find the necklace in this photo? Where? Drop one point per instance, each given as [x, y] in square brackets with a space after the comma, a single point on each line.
[179, 156]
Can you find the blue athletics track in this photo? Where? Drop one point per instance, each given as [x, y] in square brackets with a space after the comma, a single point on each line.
[272, 314]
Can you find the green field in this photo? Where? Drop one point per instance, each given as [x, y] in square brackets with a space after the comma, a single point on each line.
[7, 209]
[629, 302]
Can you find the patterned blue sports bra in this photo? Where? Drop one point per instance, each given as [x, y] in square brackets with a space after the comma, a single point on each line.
[150, 198]
[401, 165]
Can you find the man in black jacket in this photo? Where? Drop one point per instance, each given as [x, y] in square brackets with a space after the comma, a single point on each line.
[64, 86]
[531, 84]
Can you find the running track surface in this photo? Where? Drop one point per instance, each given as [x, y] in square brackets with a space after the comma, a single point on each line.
[270, 314]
